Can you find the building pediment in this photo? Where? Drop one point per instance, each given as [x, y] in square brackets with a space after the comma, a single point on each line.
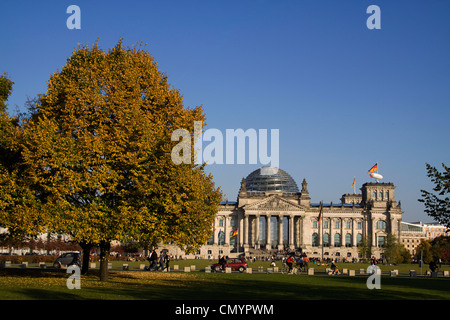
[273, 203]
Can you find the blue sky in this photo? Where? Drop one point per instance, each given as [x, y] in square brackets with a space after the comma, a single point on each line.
[342, 96]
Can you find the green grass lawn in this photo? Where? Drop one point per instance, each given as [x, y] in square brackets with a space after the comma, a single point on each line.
[29, 284]
[201, 264]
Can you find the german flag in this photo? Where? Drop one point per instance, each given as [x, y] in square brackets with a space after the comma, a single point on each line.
[320, 213]
[374, 168]
[235, 233]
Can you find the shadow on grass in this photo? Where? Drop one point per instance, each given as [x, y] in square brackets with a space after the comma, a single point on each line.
[43, 294]
[281, 288]
[201, 286]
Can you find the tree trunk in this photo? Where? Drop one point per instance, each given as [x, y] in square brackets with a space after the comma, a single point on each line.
[105, 247]
[86, 246]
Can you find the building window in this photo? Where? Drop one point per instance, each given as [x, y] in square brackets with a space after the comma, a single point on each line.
[337, 224]
[374, 195]
[348, 240]
[211, 240]
[325, 224]
[380, 195]
[315, 224]
[337, 240]
[386, 195]
[221, 223]
[349, 224]
[359, 239]
[315, 240]
[359, 225]
[326, 240]
[381, 241]
[221, 238]
[381, 224]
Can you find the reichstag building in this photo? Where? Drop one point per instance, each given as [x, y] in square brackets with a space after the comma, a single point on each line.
[271, 214]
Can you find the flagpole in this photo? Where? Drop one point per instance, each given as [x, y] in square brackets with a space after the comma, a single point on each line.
[377, 171]
[322, 218]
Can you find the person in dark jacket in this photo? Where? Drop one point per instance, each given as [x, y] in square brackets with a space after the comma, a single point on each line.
[153, 259]
[222, 262]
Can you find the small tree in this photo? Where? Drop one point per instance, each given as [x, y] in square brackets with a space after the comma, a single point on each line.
[395, 252]
[435, 205]
[424, 250]
[364, 248]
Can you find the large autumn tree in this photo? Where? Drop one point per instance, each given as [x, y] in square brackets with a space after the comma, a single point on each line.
[98, 148]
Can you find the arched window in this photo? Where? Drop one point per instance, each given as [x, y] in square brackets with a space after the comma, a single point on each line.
[348, 240]
[326, 240]
[381, 224]
[211, 240]
[359, 239]
[337, 240]
[315, 240]
[221, 238]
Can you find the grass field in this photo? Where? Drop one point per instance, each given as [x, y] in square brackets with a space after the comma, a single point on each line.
[33, 283]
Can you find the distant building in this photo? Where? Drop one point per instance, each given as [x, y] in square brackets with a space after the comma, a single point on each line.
[412, 233]
[411, 236]
[271, 214]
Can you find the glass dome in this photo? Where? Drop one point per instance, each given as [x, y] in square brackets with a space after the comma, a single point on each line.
[270, 179]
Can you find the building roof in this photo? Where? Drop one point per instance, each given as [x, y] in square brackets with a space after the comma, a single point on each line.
[270, 179]
[411, 227]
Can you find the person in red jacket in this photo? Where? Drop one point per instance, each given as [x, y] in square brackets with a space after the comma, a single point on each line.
[290, 262]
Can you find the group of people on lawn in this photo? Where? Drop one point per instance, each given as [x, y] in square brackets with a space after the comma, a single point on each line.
[161, 262]
[301, 262]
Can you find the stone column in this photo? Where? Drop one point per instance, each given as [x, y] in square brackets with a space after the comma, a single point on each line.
[280, 232]
[245, 240]
[354, 232]
[268, 238]
[291, 232]
[226, 230]
[257, 231]
[372, 222]
[215, 233]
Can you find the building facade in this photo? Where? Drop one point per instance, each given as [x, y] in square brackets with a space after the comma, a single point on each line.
[412, 233]
[272, 214]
